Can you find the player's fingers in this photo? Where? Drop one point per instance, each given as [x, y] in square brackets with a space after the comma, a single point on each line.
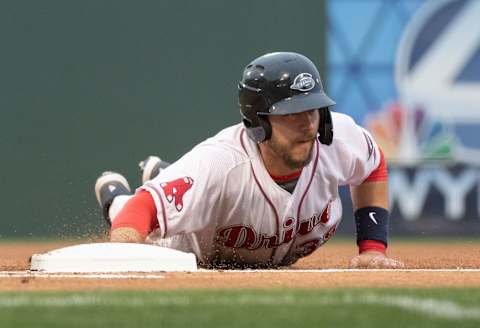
[355, 263]
[385, 263]
[375, 263]
[393, 264]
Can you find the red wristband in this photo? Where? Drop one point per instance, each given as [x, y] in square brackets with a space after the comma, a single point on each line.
[371, 245]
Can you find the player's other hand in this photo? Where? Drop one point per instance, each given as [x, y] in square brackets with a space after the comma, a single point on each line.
[375, 260]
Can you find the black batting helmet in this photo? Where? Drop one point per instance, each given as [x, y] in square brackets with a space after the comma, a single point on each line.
[282, 83]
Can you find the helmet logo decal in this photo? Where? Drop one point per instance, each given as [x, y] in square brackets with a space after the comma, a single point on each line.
[303, 82]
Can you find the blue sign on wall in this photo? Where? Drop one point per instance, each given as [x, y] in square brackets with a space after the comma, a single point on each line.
[409, 71]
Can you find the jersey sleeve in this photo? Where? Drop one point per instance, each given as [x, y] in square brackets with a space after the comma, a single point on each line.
[359, 152]
[187, 194]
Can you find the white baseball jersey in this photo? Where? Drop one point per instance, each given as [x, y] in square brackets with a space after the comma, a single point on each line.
[219, 202]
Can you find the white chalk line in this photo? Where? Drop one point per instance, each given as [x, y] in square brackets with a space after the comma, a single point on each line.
[160, 275]
[437, 308]
[27, 274]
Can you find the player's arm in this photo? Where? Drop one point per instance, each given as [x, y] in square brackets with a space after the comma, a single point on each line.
[364, 169]
[136, 220]
[370, 202]
[125, 235]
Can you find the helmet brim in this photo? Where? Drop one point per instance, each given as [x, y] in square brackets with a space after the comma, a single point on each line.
[300, 103]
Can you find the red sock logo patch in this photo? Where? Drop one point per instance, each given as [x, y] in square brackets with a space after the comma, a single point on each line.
[174, 190]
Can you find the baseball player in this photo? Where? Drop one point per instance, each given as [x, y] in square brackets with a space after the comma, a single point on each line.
[264, 192]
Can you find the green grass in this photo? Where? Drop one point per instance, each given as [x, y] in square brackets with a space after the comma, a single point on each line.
[352, 308]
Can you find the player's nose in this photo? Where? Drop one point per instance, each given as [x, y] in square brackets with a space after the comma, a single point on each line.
[307, 118]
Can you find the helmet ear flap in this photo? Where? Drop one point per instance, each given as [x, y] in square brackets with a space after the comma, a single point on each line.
[325, 128]
[260, 130]
[265, 124]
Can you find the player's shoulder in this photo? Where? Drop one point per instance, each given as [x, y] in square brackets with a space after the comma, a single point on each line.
[347, 135]
[229, 135]
[342, 124]
[344, 128]
[225, 146]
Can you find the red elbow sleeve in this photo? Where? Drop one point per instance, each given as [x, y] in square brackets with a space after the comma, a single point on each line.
[139, 213]
[380, 173]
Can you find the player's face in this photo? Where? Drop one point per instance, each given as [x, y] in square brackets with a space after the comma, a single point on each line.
[293, 137]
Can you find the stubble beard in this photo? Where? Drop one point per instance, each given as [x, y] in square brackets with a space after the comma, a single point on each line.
[284, 153]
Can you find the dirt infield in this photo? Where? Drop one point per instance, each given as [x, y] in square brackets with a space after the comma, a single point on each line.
[335, 255]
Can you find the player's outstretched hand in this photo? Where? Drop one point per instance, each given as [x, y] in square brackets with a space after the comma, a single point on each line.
[375, 260]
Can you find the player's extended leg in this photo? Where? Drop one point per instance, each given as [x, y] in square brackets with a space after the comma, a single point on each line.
[112, 191]
[151, 167]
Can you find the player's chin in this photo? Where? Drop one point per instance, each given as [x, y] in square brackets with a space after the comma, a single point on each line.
[302, 155]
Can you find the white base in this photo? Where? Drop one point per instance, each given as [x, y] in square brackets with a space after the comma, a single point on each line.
[113, 257]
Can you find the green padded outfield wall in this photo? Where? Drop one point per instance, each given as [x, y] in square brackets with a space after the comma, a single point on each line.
[93, 85]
